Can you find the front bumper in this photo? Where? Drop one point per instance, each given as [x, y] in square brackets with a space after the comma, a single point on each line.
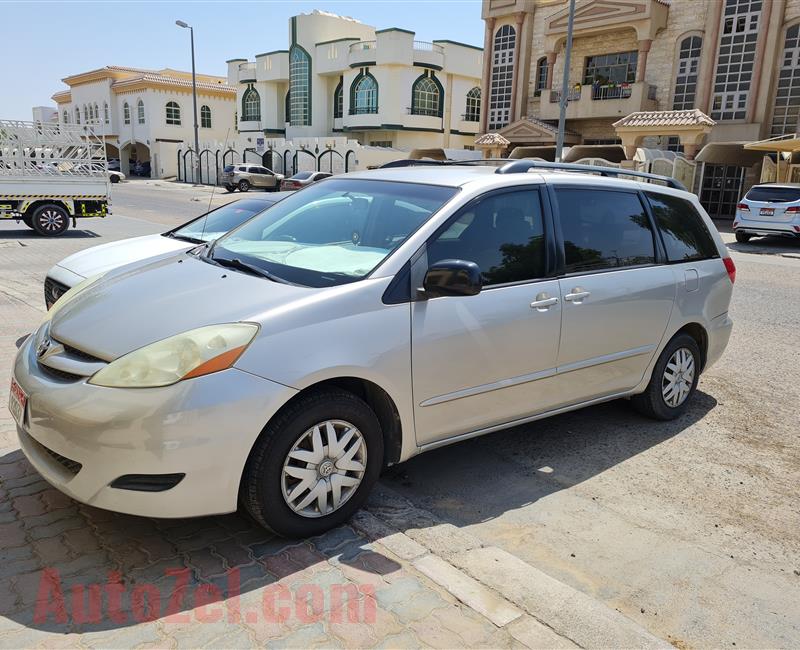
[203, 428]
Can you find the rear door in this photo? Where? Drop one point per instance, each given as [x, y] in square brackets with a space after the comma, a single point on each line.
[617, 297]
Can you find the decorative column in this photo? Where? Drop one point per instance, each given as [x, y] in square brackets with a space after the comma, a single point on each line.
[518, 20]
[486, 79]
[551, 66]
[708, 57]
[641, 62]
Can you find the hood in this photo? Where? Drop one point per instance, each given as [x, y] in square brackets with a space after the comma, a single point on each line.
[135, 307]
[102, 258]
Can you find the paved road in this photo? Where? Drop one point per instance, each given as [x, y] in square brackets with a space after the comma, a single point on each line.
[690, 529]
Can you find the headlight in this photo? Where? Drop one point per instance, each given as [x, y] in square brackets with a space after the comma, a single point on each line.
[191, 354]
[70, 294]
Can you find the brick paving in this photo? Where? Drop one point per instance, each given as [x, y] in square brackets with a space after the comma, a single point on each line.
[75, 576]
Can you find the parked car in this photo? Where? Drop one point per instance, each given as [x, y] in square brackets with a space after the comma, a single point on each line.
[141, 168]
[113, 164]
[77, 267]
[364, 320]
[301, 179]
[768, 209]
[115, 176]
[246, 175]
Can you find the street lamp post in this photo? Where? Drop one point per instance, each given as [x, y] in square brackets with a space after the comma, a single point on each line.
[562, 109]
[180, 23]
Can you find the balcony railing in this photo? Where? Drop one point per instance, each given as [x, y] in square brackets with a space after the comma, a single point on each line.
[470, 117]
[424, 46]
[363, 110]
[419, 110]
[363, 45]
[611, 91]
[573, 94]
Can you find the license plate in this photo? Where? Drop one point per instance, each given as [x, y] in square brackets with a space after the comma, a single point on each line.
[767, 212]
[17, 401]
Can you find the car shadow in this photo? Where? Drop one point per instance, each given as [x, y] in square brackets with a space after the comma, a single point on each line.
[486, 477]
[70, 568]
[25, 233]
[771, 245]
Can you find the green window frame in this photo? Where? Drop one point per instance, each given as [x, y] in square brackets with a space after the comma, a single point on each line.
[364, 94]
[205, 117]
[427, 96]
[299, 86]
[473, 107]
[338, 100]
[173, 114]
[251, 105]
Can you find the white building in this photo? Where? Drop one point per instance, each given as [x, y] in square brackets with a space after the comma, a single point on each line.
[45, 114]
[341, 77]
[146, 115]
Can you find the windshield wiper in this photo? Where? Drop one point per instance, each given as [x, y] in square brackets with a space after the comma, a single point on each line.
[236, 263]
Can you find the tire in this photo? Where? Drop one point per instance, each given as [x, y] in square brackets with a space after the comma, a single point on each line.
[229, 188]
[653, 402]
[244, 185]
[50, 220]
[113, 178]
[266, 488]
[743, 237]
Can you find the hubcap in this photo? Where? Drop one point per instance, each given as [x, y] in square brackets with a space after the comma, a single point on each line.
[324, 468]
[51, 220]
[678, 377]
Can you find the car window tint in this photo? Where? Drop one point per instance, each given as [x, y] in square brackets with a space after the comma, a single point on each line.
[682, 229]
[300, 176]
[223, 219]
[603, 230]
[503, 234]
[770, 194]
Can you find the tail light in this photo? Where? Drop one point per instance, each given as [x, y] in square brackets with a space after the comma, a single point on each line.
[795, 209]
[743, 207]
[730, 267]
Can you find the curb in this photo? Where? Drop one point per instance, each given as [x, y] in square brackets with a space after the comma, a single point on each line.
[536, 609]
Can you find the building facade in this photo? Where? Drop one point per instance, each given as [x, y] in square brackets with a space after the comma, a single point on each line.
[340, 77]
[44, 114]
[147, 115]
[737, 61]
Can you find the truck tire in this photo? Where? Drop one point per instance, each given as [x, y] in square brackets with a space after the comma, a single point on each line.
[49, 220]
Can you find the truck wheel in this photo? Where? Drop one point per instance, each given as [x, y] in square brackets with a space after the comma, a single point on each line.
[50, 220]
[244, 185]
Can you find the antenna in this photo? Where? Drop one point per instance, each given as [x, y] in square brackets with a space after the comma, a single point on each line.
[216, 180]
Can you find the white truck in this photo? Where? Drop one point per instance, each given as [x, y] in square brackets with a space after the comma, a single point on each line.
[51, 173]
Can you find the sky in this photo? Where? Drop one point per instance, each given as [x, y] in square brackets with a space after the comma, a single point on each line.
[80, 36]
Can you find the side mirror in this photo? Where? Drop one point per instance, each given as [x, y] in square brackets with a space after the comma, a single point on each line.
[452, 278]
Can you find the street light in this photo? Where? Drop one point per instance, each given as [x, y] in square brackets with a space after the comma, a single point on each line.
[562, 110]
[184, 25]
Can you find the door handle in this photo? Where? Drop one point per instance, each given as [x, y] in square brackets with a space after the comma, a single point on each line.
[577, 295]
[543, 302]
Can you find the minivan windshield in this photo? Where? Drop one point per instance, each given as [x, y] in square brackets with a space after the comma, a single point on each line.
[334, 232]
[217, 222]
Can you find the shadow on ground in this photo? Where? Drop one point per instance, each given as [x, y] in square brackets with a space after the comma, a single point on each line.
[24, 233]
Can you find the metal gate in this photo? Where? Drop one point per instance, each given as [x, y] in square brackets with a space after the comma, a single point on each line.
[720, 190]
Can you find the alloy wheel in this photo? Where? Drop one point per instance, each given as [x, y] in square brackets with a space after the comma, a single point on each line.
[678, 378]
[324, 468]
[51, 220]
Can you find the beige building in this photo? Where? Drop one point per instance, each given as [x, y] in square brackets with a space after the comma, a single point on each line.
[146, 116]
[737, 61]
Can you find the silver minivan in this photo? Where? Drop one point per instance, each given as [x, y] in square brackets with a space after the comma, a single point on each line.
[361, 321]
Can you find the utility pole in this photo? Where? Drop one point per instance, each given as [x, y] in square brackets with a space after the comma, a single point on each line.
[180, 23]
[562, 114]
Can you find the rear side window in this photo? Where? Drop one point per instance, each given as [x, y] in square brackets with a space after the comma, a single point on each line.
[767, 194]
[603, 230]
[685, 235]
[228, 169]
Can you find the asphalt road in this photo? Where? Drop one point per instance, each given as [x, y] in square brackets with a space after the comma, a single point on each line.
[691, 528]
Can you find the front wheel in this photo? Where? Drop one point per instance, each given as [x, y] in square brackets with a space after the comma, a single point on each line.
[743, 237]
[673, 382]
[314, 464]
[50, 220]
[244, 185]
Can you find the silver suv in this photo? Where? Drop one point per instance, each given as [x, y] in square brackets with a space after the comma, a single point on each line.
[361, 321]
[768, 209]
[246, 175]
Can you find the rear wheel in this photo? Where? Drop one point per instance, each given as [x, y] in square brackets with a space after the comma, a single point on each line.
[230, 188]
[314, 464]
[244, 185]
[743, 237]
[673, 382]
[50, 220]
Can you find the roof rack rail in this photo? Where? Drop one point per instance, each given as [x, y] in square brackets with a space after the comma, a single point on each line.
[406, 162]
[522, 165]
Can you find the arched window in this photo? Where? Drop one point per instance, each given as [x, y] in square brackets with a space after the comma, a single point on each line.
[251, 105]
[286, 103]
[502, 78]
[126, 113]
[338, 101]
[473, 112]
[300, 87]
[541, 76]
[140, 112]
[96, 113]
[686, 77]
[106, 117]
[364, 95]
[426, 97]
[205, 117]
[66, 117]
[786, 112]
[173, 114]
[87, 114]
[77, 115]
